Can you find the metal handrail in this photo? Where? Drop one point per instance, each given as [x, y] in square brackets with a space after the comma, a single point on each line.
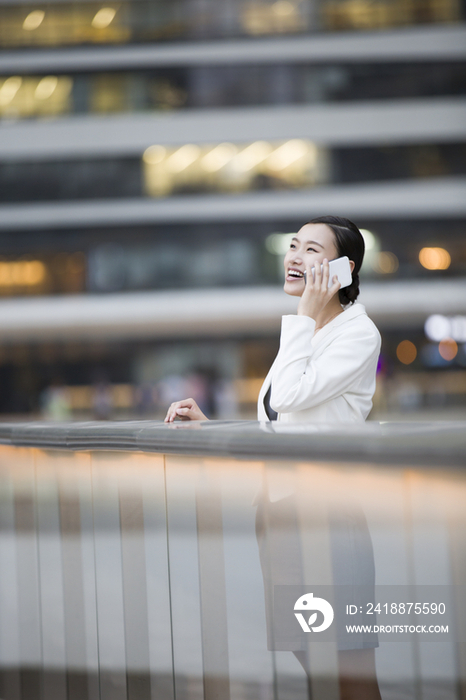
[441, 443]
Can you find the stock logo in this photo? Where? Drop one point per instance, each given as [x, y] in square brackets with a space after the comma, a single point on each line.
[308, 603]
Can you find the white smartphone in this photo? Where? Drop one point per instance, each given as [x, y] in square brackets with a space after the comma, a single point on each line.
[339, 267]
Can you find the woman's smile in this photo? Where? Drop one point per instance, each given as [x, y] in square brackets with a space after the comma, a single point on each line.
[294, 275]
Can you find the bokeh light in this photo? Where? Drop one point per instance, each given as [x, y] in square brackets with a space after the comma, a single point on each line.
[288, 153]
[435, 258]
[22, 273]
[278, 243]
[385, 263]
[154, 155]
[33, 20]
[218, 157]
[9, 88]
[406, 352]
[252, 155]
[46, 87]
[448, 349]
[183, 158]
[104, 17]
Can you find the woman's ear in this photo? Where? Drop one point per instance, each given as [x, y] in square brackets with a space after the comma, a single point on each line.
[351, 264]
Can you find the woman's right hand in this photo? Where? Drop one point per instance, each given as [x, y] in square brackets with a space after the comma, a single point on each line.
[317, 293]
[187, 409]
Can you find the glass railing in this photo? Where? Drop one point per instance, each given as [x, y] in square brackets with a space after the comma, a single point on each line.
[140, 560]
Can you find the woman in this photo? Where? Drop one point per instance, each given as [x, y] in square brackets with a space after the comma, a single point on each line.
[325, 369]
[324, 372]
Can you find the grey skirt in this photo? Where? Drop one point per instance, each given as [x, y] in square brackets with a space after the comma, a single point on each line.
[352, 558]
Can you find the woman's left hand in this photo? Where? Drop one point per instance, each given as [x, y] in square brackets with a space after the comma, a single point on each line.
[187, 409]
[317, 293]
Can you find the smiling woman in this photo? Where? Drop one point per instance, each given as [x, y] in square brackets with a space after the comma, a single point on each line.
[326, 365]
[324, 373]
[325, 369]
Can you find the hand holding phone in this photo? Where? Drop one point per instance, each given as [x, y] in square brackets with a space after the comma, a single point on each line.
[339, 267]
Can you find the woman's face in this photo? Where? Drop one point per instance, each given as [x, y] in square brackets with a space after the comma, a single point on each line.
[309, 246]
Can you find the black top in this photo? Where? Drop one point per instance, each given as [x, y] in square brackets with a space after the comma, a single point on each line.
[271, 414]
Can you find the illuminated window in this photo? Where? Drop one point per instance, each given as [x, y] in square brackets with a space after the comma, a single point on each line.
[369, 14]
[61, 24]
[59, 273]
[22, 276]
[108, 93]
[30, 97]
[82, 22]
[229, 167]
[271, 18]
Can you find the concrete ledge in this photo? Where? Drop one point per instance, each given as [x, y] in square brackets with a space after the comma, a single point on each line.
[210, 312]
[426, 43]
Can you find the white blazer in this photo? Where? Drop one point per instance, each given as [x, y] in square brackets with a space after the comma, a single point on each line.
[324, 377]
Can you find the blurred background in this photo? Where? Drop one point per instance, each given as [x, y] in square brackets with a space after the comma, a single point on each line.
[155, 155]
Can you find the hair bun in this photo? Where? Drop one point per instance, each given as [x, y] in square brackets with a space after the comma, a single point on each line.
[348, 295]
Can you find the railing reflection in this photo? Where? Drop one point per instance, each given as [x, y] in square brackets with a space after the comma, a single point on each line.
[130, 567]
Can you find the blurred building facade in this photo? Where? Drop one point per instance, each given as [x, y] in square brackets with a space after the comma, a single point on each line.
[155, 154]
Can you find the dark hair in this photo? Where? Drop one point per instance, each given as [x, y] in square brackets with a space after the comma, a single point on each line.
[349, 241]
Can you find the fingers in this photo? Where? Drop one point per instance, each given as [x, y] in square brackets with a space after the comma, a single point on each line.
[335, 286]
[326, 286]
[179, 409]
[309, 278]
[318, 290]
[184, 410]
[325, 274]
[319, 275]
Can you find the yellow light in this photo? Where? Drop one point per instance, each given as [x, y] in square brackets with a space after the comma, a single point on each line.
[435, 258]
[288, 153]
[154, 155]
[33, 272]
[33, 20]
[386, 263]
[252, 155]
[183, 158]
[22, 273]
[218, 157]
[104, 17]
[46, 87]
[282, 8]
[9, 89]
[4, 275]
[406, 352]
[448, 348]
[17, 275]
[65, 85]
